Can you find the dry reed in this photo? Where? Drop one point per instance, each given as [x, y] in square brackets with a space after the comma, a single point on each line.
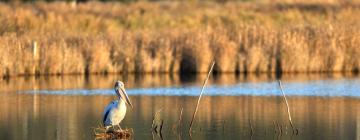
[198, 101]
[147, 37]
[294, 129]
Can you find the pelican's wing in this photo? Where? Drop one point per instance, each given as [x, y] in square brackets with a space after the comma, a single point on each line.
[107, 111]
[106, 116]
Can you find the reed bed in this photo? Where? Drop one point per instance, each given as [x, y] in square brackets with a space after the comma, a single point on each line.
[168, 37]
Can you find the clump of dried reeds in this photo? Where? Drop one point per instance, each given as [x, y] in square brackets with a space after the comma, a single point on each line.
[100, 132]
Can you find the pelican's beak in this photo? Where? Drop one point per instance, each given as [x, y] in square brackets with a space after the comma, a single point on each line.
[127, 100]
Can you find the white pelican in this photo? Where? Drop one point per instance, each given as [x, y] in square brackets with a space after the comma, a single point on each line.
[115, 112]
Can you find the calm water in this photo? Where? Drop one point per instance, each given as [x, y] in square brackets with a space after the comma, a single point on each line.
[69, 107]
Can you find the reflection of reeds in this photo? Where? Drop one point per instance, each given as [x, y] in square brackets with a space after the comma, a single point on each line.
[168, 38]
[74, 113]
[146, 81]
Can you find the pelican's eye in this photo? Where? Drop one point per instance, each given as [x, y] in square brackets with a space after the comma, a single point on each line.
[121, 84]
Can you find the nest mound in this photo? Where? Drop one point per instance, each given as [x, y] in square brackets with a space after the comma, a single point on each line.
[101, 133]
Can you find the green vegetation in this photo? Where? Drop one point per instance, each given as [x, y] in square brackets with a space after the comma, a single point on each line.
[172, 37]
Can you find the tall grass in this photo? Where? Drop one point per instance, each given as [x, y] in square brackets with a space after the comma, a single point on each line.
[175, 37]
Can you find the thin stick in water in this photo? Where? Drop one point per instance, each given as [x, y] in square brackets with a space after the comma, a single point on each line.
[274, 126]
[288, 108]
[251, 127]
[161, 126]
[178, 123]
[180, 117]
[223, 126]
[202, 90]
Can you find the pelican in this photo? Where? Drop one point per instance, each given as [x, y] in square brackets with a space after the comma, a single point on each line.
[115, 112]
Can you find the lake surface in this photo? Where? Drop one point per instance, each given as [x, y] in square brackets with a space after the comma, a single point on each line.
[69, 107]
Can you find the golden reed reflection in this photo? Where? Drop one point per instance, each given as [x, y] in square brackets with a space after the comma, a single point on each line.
[145, 80]
[72, 117]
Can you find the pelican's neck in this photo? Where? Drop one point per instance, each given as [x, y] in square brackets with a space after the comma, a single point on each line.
[120, 100]
[117, 94]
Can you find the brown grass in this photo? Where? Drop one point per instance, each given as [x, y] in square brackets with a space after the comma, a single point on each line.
[175, 37]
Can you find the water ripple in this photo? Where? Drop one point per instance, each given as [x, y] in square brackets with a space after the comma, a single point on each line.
[343, 87]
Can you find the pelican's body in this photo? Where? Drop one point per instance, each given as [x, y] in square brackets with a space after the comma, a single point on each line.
[115, 112]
